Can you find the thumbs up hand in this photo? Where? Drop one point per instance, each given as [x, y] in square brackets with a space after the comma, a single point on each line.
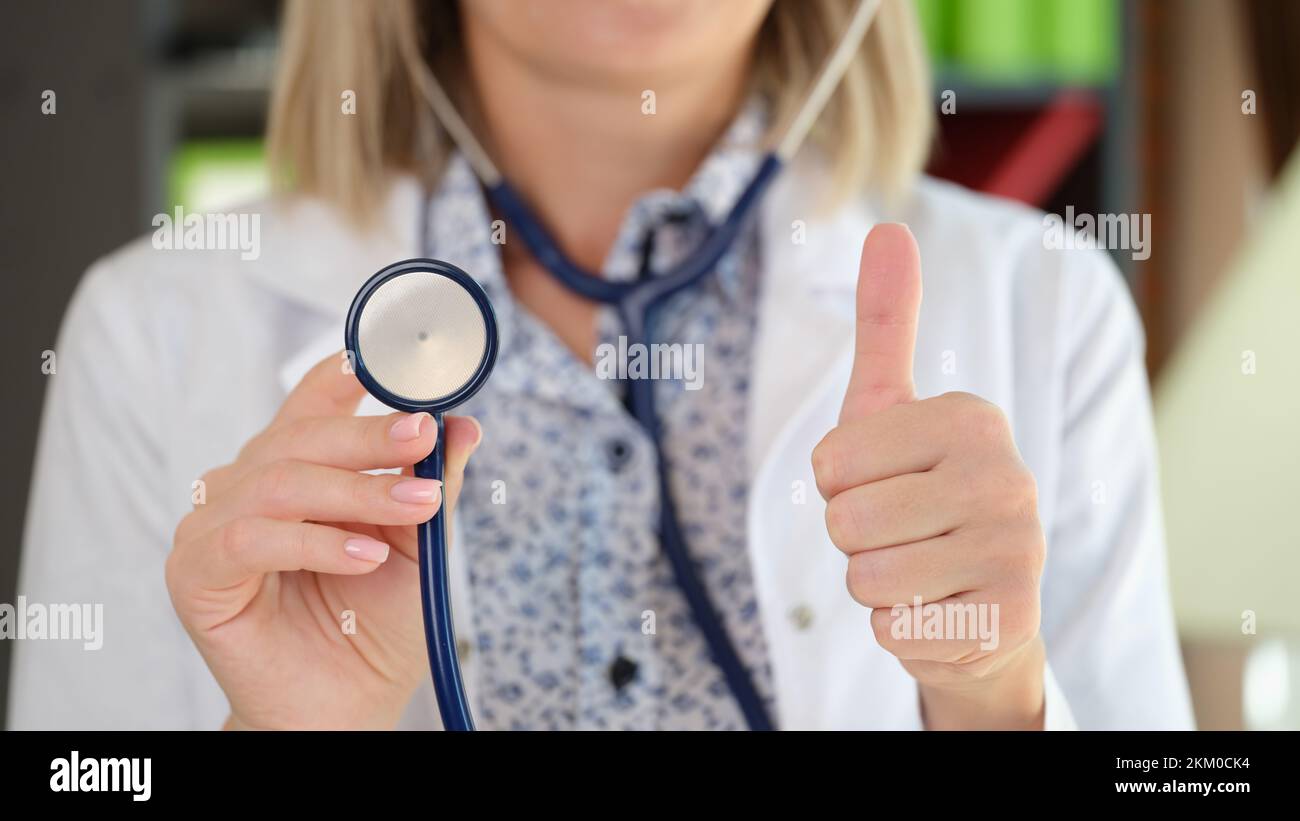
[937, 513]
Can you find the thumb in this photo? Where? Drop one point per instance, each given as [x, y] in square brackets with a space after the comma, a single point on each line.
[888, 303]
[463, 435]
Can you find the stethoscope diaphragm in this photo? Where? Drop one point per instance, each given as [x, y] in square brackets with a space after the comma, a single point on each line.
[422, 336]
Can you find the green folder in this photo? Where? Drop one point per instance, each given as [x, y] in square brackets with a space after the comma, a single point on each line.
[996, 39]
[1081, 39]
[1024, 41]
[935, 17]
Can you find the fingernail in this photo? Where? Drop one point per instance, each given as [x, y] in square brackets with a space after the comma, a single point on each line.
[369, 550]
[417, 491]
[478, 428]
[407, 428]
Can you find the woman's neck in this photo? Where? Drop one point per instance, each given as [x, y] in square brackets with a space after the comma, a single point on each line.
[580, 151]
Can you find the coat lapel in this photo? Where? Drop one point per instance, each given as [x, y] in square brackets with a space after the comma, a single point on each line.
[313, 257]
[806, 310]
[819, 640]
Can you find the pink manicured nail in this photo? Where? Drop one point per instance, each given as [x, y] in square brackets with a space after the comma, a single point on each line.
[366, 549]
[417, 491]
[407, 428]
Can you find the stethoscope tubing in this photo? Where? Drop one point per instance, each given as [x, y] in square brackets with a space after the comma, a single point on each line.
[673, 543]
[634, 298]
[435, 596]
[637, 303]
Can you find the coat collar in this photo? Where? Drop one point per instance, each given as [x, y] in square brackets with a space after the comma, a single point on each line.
[806, 311]
[313, 257]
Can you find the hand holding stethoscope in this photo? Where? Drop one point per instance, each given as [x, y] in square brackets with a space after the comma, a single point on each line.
[296, 575]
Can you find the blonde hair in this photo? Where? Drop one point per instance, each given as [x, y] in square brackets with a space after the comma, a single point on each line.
[876, 129]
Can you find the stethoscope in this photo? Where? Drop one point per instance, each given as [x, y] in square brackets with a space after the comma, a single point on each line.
[413, 316]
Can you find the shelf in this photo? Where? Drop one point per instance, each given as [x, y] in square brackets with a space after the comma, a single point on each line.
[986, 92]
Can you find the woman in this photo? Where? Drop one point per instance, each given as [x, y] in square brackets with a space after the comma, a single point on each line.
[1026, 476]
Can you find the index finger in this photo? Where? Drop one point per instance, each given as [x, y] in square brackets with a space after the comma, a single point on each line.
[330, 388]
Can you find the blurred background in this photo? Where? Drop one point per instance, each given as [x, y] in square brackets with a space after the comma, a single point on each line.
[1186, 110]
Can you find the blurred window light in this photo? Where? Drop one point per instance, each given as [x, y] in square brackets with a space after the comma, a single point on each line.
[213, 174]
[1268, 701]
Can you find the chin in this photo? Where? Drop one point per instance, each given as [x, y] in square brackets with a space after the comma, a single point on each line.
[616, 40]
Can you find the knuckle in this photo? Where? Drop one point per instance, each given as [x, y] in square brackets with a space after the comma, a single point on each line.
[1020, 615]
[977, 418]
[1020, 492]
[1021, 562]
[854, 581]
[214, 480]
[275, 482]
[1028, 495]
[369, 435]
[364, 490]
[866, 575]
[842, 522]
[259, 443]
[271, 443]
[1035, 554]
[301, 544]
[969, 488]
[172, 570]
[211, 477]
[881, 622]
[182, 532]
[1026, 621]
[174, 566]
[454, 473]
[824, 464]
[238, 539]
[1033, 619]
[291, 439]
[296, 440]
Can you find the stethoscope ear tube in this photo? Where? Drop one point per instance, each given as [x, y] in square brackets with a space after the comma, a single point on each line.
[635, 298]
[435, 590]
[636, 304]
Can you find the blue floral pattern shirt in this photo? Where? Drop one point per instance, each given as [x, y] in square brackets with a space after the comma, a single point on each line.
[577, 620]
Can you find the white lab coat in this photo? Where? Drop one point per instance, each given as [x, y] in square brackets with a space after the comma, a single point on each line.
[169, 360]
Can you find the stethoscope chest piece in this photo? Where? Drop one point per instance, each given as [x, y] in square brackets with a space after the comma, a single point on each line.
[421, 336]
